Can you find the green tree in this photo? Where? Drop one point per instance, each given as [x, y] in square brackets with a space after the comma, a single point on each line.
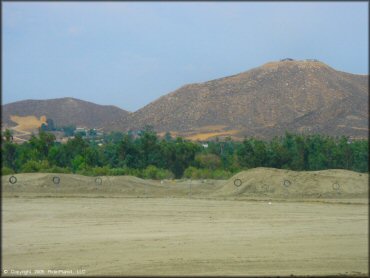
[92, 132]
[360, 151]
[9, 155]
[128, 153]
[210, 161]
[149, 148]
[246, 154]
[167, 137]
[260, 153]
[78, 163]
[69, 130]
[179, 155]
[299, 154]
[33, 166]
[8, 135]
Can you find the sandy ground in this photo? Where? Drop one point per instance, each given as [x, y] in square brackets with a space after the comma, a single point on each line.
[137, 236]
[253, 224]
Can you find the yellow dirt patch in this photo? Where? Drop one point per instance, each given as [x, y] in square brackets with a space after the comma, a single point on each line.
[203, 133]
[173, 133]
[212, 128]
[353, 127]
[361, 128]
[28, 123]
[208, 135]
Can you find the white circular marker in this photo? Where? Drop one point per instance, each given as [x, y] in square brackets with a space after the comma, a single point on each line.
[269, 203]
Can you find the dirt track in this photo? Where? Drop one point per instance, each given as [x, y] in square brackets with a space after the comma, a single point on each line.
[115, 230]
[255, 184]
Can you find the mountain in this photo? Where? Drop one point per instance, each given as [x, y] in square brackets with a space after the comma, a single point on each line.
[63, 111]
[297, 96]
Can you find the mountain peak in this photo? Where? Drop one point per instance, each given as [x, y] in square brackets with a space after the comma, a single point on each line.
[290, 63]
[293, 95]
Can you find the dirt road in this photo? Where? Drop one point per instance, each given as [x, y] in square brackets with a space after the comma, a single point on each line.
[178, 236]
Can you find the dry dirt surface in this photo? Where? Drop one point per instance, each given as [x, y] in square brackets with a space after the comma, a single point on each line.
[27, 123]
[129, 226]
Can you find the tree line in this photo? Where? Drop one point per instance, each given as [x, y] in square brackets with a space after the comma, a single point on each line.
[149, 156]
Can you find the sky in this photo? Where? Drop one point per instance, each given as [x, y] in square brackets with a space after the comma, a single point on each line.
[128, 54]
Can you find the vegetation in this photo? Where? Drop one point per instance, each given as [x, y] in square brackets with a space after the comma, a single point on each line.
[68, 130]
[147, 156]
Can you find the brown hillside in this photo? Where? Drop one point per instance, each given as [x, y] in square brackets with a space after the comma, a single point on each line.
[295, 96]
[65, 111]
[298, 96]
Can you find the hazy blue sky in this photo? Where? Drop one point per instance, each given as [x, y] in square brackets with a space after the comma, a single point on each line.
[128, 54]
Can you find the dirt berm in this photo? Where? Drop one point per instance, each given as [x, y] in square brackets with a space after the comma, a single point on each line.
[70, 185]
[282, 184]
[258, 183]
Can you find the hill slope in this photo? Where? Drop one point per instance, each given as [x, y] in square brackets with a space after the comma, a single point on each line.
[64, 111]
[265, 101]
[295, 96]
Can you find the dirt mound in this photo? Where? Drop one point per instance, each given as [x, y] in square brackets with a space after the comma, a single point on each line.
[277, 183]
[45, 184]
[258, 183]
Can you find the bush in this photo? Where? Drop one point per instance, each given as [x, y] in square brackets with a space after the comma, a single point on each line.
[95, 171]
[194, 173]
[220, 174]
[78, 163]
[152, 172]
[33, 166]
[57, 169]
[100, 171]
[85, 171]
[164, 174]
[205, 173]
[209, 160]
[134, 172]
[190, 172]
[118, 172]
[6, 171]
